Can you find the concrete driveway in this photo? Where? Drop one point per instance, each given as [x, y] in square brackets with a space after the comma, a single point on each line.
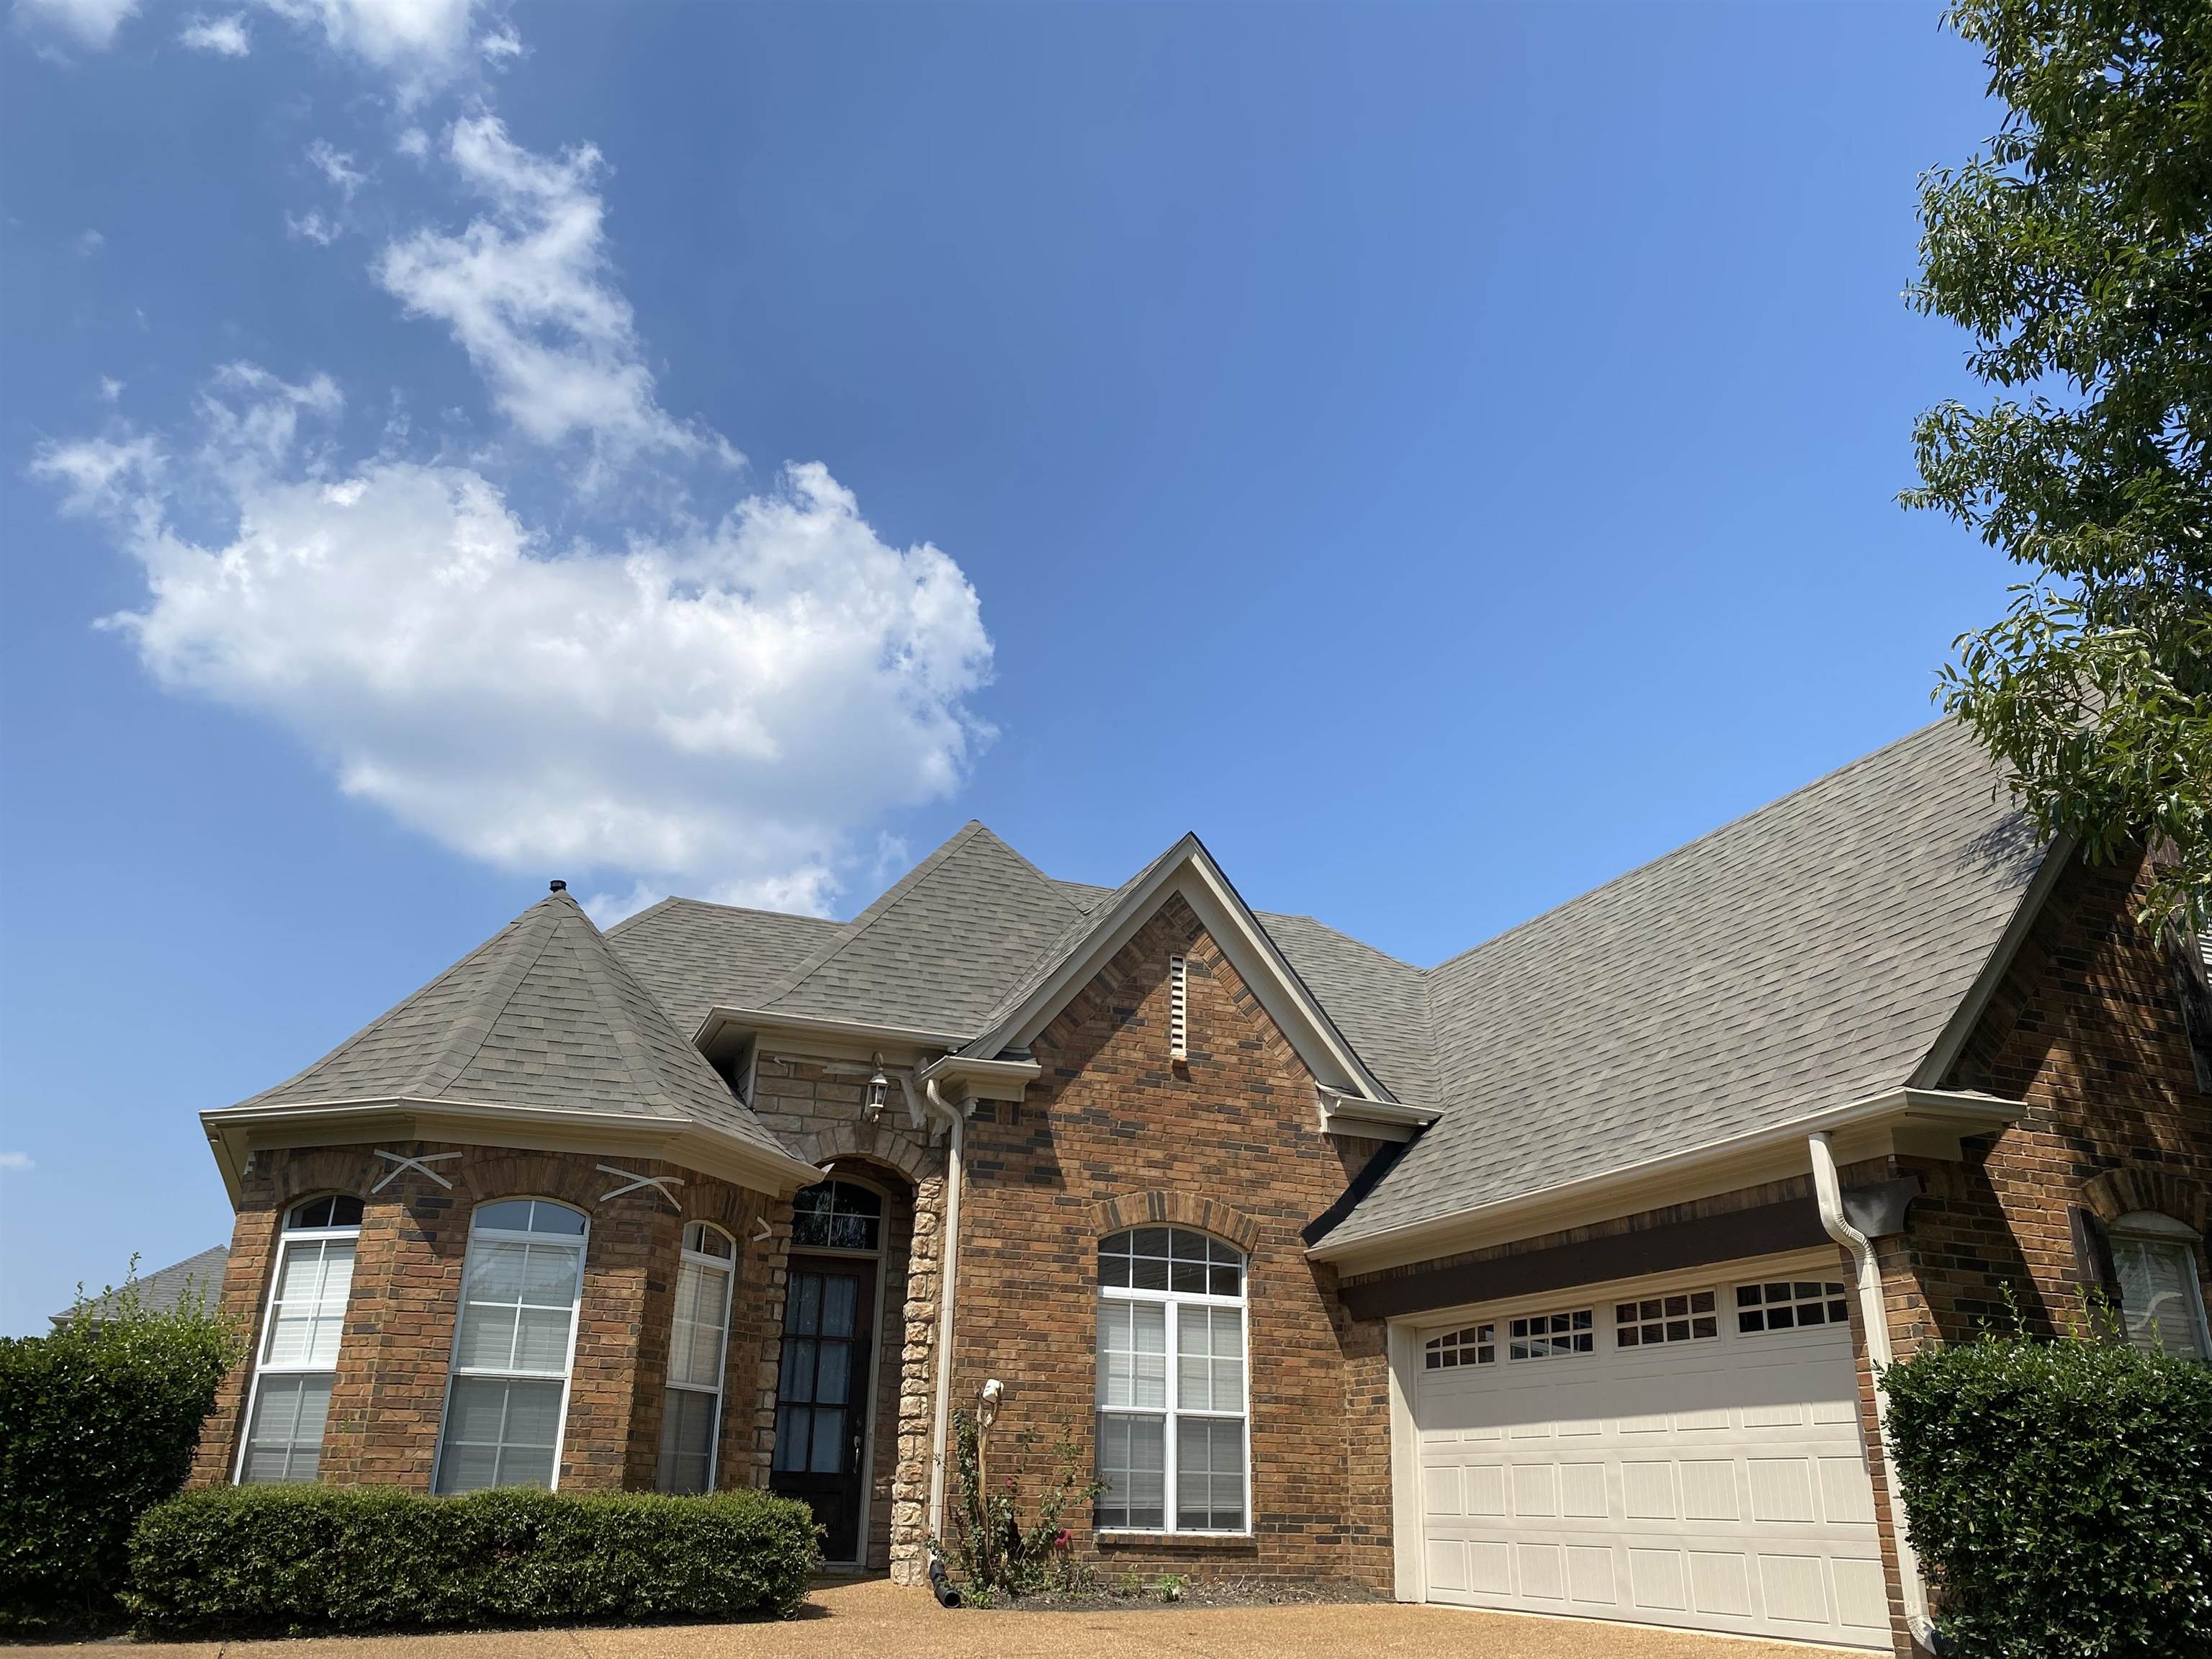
[852, 1621]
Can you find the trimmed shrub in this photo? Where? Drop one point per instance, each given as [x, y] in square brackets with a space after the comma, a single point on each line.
[308, 1558]
[2060, 1496]
[98, 1419]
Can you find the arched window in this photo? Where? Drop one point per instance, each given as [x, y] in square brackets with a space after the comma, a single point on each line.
[1173, 1385]
[298, 1360]
[513, 1345]
[2160, 1299]
[698, 1337]
[837, 1215]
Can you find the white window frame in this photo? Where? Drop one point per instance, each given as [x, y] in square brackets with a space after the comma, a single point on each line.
[2150, 1227]
[1547, 1313]
[286, 1238]
[727, 1267]
[1172, 1411]
[455, 1370]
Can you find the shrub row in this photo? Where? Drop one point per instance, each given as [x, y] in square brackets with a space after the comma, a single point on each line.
[308, 1558]
[98, 1419]
[2060, 1496]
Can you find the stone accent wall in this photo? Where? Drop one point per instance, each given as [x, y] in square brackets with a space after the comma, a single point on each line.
[395, 1354]
[817, 1113]
[1115, 1134]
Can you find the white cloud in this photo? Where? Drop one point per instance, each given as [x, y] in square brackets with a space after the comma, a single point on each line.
[501, 44]
[528, 294]
[19, 1162]
[414, 141]
[312, 226]
[421, 44]
[92, 24]
[717, 709]
[111, 389]
[226, 36]
[336, 166]
[88, 243]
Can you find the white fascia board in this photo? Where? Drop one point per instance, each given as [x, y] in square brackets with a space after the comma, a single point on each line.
[235, 1133]
[1372, 1120]
[1189, 869]
[1952, 1041]
[798, 1030]
[1927, 1122]
[984, 1079]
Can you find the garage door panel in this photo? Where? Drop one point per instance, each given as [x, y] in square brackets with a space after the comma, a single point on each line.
[1715, 1484]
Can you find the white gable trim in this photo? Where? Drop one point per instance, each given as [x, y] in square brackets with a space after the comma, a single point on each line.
[1951, 1041]
[1187, 871]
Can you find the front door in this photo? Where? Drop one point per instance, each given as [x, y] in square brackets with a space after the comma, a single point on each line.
[822, 1395]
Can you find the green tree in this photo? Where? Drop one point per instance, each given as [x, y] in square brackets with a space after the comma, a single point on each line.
[2075, 249]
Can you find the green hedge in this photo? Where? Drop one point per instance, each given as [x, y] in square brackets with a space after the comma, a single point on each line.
[308, 1558]
[2060, 1496]
[98, 1419]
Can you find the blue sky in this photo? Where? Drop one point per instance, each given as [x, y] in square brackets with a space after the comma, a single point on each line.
[1445, 457]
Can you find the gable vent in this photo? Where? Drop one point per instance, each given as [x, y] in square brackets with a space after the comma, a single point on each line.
[1178, 1008]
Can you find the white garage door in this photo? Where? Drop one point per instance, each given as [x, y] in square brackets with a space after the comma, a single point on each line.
[1682, 1450]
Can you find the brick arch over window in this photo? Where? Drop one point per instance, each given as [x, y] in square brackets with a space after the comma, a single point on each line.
[2123, 1192]
[1178, 1209]
[327, 1170]
[888, 1149]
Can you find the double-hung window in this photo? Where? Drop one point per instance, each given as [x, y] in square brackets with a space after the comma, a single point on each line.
[1174, 1400]
[698, 1337]
[513, 1345]
[2155, 1257]
[298, 1360]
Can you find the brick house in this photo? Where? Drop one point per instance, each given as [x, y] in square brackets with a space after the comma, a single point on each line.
[1550, 1279]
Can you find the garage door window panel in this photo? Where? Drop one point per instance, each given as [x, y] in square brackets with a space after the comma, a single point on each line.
[1652, 1321]
[1174, 1381]
[1792, 1306]
[1553, 1336]
[1476, 1345]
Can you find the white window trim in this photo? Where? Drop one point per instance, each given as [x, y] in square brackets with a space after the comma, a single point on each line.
[1168, 1413]
[1547, 1312]
[453, 1367]
[285, 1239]
[727, 1267]
[2151, 1227]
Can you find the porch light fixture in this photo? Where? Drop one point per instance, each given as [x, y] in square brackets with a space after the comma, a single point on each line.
[879, 1091]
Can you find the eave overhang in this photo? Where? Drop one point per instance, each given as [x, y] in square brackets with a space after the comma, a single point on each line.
[1917, 1122]
[811, 1034]
[969, 1079]
[1343, 1114]
[235, 1134]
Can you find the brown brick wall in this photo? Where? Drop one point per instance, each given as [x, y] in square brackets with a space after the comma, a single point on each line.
[393, 1358]
[2087, 1029]
[1114, 1132]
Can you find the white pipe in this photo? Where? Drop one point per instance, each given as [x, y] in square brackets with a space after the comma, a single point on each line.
[948, 1270]
[1829, 1190]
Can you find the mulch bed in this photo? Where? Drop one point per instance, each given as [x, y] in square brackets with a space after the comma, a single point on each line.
[1115, 1592]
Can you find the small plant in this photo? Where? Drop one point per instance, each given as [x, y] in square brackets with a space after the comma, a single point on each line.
[1170, 1586]
[990, 1548]
[1129, 1585]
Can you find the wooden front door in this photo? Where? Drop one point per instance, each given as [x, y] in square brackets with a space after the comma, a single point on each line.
[822, 1395]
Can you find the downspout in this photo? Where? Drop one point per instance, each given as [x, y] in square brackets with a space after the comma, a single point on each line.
[1829, 1192]
[948, 1277]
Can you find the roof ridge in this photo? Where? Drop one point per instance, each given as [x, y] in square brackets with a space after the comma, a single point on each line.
[891, 897]
[673, 899]
[621, 1022]
[474, 1026]
[1350, 938]
[1674, 852]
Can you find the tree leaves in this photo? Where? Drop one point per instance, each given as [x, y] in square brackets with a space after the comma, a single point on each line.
[2077, 250]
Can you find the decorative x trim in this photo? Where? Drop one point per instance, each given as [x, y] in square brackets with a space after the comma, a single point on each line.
[659, 1183]
[420, 1165]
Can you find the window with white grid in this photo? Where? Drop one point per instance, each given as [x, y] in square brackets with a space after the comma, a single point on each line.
[1552, 1336]
[1475, 1345]
[296, 1365]
[1656, 1320]
[1791, 1306]
[513, 1345]
[2160, 1303]
[1174, 1394]
[698, 1337]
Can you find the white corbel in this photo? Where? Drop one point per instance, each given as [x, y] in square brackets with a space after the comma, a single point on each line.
[420, 1165]
[659, 1183]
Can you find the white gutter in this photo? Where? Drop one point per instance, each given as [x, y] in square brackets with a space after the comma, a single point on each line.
[1957, 1110]
[1829, 1190]
[948, 1272]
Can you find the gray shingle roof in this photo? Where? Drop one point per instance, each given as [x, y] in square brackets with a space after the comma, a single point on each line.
[1380, 1004]
[543, 1014]
[939, 950]
[694, 957]
[166, 1289]
[1802, 958]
